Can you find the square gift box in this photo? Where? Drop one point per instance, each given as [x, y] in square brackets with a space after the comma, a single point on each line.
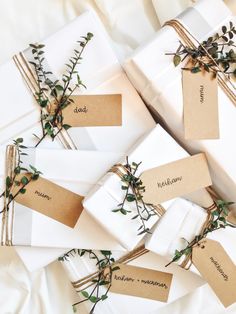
[159, 82]
[155, 149]
[99, 70]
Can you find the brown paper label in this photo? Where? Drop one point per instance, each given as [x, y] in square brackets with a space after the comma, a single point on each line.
[94, 110]
[141, 282]
[51, 200]
[200, 97]
[175, 179]
[217, 269]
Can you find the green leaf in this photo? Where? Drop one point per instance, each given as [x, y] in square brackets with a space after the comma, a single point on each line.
[22, 191]
[93, 299]
[115, 268]
[224, 29]
[104, 297]
[106, 253]
[43, 103]
[24, 180]
[195, 70]
[130, 197]
[66, 126]
[59, 87]
[85, 294]
[8, 182]
[176, 60]
[17, 170]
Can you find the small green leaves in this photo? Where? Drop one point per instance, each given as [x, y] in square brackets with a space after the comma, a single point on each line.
[24, 180]
[176, 60]
[66, 126]
[85, 294]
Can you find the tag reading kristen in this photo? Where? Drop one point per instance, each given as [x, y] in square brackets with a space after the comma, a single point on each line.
[200, 98]
[141, 282]
[52, 200]
[217, 269]
[94, 110]
[175, 179]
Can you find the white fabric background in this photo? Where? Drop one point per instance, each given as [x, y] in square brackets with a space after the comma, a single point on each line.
[129, 23]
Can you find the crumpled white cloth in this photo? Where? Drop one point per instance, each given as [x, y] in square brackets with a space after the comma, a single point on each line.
[129, 23]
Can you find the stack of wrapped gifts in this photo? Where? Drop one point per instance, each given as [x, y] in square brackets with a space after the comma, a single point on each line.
[125, 176]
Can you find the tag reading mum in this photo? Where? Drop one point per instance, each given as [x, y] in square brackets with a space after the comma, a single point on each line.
[200, 98]
[141, 282]
[52, 200]
[217, 269]
[94, 110]
[175, 179]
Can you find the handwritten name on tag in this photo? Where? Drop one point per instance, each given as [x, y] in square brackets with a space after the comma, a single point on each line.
[217, 269]
[94, 110]
[141, 282]
[175, 179]
[200, 97]
[51, 200]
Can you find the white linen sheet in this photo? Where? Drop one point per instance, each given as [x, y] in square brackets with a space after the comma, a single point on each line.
[129, 24]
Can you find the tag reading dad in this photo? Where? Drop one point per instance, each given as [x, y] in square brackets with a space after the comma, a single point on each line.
[200, 98]
[94, 110]
[141, 282]
[217, 269]
[52, 200]
[175, 179]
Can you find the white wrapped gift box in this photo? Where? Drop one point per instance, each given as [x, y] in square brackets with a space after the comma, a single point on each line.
[159, 82]
[99, 70]
[76, 171]
[182, 222]
[182, 283]
[155, 149]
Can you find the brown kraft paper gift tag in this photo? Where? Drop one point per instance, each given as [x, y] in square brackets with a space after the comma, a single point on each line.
[175, 179]
[200, 99]
[51, 200]
[141, 282]
[217, 269]
[94, 110]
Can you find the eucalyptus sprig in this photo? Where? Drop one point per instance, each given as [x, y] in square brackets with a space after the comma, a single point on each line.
[53, 95]
[104, 278]
[221, 49]
[30, 174]
[134, 189]
[218, 220]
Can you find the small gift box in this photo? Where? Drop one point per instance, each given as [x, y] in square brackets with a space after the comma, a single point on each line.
[70, 175]
[153, 73]
[81, 268]
[160, 163]
[99, 71]
[206, 241]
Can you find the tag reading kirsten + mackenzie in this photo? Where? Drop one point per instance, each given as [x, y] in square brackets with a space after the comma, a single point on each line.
[94, 110]
[141, 282]
[175, 179]
[216, 267]
[52, 200]
[200, 98]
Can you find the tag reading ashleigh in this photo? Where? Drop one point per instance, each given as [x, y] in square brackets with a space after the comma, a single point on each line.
[200, 97]
[141, 282]
[94, 110]
[175, 179]
[52, 200]
[216, 267]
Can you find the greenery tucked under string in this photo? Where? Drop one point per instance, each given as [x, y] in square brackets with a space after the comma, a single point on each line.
[103, 279]
[30, 174]
[216, 54]
[54, 95]
[134, 189]
[218, 220]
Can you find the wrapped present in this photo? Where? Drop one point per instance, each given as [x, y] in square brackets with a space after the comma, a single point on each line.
[105, 202]
[159, 82]
[179, 229]
[80, 268]
[76, 172]
[99, 71]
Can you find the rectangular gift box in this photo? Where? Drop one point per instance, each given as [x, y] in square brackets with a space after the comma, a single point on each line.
[182, 283]
[159, 82]
[76, 171]
[155, 149]
[99, 70]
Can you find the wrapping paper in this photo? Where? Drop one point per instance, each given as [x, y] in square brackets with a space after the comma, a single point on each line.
[159, 82]
[155, 149]
[100, 72]
[184, 220]
[183, 282]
